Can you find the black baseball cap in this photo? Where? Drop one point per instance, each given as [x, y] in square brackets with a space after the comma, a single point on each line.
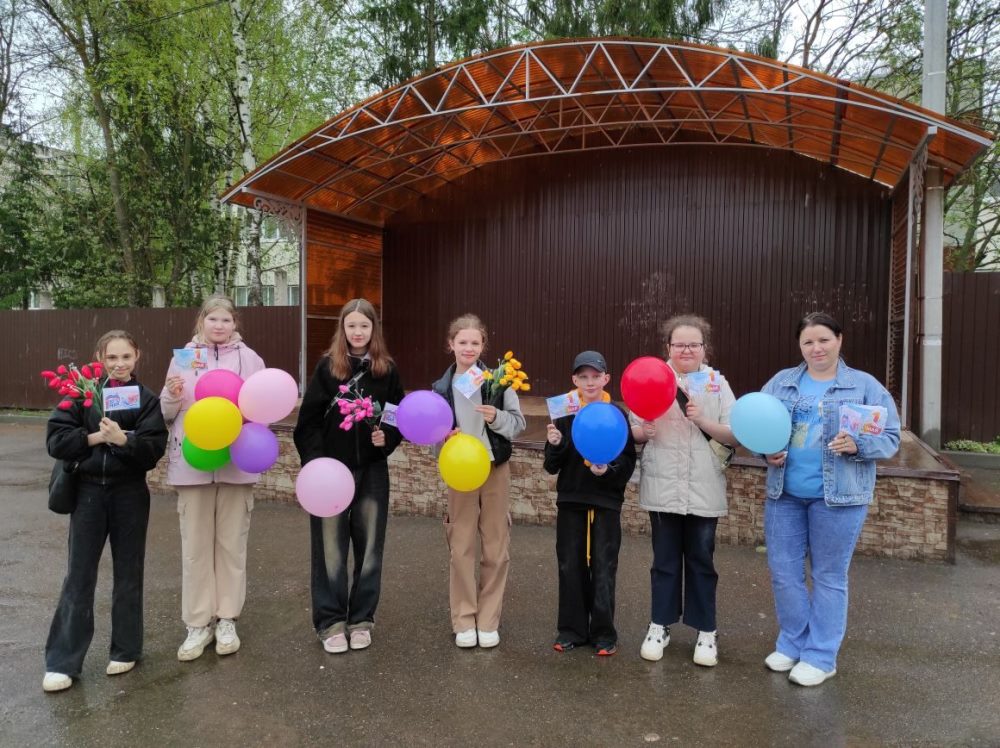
[593, 359]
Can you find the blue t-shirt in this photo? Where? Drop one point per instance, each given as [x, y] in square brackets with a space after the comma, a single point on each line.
[804, 465]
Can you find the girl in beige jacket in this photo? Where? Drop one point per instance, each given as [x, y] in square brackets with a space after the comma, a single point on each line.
[683, 487]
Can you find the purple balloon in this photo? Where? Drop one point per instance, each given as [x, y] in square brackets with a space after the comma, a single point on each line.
[219, 383]
[424, 417]
[255, 449]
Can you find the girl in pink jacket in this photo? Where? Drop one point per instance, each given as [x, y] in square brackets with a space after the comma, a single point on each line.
[214, 507]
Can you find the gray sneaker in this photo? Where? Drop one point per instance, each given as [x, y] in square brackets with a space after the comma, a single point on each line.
[198, 638]
[226, 640]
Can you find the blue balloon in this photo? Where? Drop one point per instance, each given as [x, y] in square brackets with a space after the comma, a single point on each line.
[761, 423]
[600, 433]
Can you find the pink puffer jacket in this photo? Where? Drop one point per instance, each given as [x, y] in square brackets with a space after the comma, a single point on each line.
[235, 356]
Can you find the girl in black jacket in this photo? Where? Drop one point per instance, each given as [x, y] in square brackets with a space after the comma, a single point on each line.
[112, 454]
[357, 359]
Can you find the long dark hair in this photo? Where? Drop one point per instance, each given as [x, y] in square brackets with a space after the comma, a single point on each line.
[378, 353]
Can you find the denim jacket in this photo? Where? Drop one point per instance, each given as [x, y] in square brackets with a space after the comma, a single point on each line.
[847, 479]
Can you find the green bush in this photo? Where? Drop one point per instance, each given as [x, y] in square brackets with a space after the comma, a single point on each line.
[968, 445]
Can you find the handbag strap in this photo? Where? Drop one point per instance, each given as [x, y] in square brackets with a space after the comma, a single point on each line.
[683, 400]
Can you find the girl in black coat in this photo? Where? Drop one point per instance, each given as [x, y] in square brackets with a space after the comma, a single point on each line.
[112, 454]
[357, 359]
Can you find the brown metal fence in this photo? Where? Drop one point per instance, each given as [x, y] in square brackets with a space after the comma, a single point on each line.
[41, 339]
[970, 401]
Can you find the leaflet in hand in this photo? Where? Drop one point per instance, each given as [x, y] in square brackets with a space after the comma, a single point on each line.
[563, 405]
[121, 398]
[862, 420]
[191, 358]
[703, 382]
[470, 382]
[388, 415]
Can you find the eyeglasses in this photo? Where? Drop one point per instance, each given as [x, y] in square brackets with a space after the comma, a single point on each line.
[687, 346]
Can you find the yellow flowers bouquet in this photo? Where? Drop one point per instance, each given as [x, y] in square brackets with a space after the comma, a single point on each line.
[507, 374]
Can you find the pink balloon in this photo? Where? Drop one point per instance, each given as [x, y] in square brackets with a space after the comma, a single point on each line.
[219, 383]
[268, 396]
[325, 487]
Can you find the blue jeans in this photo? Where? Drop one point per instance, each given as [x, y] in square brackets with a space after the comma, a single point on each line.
[683, 576]
[362, 525]
[811, 626]
[119, 512]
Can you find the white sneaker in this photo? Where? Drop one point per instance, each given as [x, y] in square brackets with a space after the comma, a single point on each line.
[706, 653]
[226, 640]
[56, 682]
[336, 644]
[806, 675]
[198, 638]
[117, 668]
[466, 639]
[657, 639]
[488, 639]
[778, 662]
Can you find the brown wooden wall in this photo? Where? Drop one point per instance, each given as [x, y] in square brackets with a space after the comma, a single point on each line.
[343, 262]
[42, 339]
[970, 380]
[562, 253]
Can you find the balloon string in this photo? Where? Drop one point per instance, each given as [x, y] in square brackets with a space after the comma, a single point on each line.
[590, 521]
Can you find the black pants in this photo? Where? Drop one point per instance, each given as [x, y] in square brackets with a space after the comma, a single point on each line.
[587, 593]
[683, 568]
[121, 513]
[361, 525]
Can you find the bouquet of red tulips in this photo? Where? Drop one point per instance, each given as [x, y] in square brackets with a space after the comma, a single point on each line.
[77, 384]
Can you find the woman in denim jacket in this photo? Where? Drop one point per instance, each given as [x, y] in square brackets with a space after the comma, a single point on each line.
[818, 492]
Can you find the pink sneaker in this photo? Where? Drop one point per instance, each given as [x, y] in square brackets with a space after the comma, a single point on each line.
[335, 644]
[361, 638]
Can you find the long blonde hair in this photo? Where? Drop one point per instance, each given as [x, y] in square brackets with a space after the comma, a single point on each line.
[378, 353]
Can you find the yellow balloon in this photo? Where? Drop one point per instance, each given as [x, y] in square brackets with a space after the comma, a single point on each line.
[213, 423]
[464, 463]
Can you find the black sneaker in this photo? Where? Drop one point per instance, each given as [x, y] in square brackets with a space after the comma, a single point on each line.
[563, 645]
[606, 649]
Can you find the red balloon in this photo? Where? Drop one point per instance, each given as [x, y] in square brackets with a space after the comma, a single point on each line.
[649, 387]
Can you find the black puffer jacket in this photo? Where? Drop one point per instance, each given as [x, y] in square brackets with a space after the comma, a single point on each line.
[66, 439]
[318, 432]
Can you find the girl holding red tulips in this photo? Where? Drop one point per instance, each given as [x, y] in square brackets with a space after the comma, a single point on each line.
[110, 454]
[338, 419]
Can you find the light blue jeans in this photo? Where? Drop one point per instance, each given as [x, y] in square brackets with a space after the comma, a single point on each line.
[811, 625]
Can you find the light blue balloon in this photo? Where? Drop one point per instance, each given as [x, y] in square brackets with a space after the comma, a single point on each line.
[600, 433]
[761, 423]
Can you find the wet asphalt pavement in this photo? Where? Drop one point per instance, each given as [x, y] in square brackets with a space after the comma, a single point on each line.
[921, 664]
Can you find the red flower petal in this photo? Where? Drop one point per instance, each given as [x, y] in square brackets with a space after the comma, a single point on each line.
[65, 405]
[62, 370]
[85, 370]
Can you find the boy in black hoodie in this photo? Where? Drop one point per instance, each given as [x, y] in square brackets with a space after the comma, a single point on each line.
[588, 521]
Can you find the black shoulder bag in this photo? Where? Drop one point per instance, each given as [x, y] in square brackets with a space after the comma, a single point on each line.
[724, 452]
[63, 487]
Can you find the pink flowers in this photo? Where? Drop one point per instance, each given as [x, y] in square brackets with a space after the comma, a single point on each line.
[76, 384]
[357, 407]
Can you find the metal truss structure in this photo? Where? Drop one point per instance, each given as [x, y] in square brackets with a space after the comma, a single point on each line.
[577, 95]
